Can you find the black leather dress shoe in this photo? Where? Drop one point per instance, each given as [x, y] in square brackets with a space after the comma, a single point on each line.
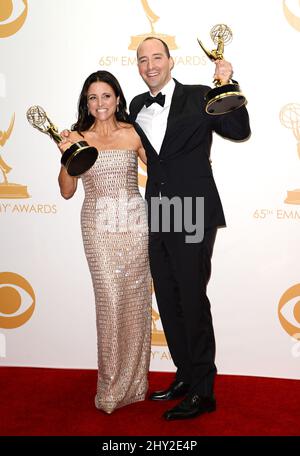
[175, 390]
[190, 407]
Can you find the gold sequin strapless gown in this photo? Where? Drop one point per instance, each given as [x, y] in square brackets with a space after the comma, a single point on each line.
[115, 236]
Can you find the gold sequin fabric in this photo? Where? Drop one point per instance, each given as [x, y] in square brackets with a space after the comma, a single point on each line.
[115, 236]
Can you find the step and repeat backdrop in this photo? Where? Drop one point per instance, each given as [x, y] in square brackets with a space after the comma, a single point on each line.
[47, 49]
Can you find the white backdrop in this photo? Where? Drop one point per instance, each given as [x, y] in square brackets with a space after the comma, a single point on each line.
[47, 49]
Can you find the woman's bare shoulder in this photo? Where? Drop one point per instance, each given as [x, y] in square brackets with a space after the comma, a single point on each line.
[128, 129]
[125, 125]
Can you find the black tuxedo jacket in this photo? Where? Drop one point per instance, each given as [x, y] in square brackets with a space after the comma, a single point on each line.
[182, 166]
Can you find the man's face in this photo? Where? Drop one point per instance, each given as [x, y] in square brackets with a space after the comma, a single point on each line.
[154, 65]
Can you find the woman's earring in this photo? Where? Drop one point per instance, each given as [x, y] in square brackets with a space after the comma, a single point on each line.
[88, 111]
[117, 108]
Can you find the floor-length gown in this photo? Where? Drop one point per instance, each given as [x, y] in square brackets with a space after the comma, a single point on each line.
[115, 236]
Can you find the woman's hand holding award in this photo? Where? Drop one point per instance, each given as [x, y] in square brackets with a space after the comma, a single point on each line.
[78, 158]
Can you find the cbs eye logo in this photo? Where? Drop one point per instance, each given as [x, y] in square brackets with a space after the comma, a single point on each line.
[17, 300]
[13, 14]
[289, 311]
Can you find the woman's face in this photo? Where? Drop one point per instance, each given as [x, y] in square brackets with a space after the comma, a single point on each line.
[101, 100]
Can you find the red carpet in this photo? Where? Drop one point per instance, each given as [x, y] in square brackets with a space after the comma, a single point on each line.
[36, 401]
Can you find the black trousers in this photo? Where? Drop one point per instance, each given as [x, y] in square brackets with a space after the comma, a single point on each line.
[180, 274]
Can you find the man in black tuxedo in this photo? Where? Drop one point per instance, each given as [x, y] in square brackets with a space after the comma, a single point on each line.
[177, 135]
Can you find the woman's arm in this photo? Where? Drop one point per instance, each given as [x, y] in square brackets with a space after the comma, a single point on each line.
[139, 146]
[142, 154]
[67, 183]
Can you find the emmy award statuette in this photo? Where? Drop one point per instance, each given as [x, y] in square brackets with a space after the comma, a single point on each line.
[224, 97]
[9, 190]
[290, 118]
[79, 158]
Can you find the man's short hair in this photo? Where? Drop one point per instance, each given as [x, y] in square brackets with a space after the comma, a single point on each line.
[155, 38]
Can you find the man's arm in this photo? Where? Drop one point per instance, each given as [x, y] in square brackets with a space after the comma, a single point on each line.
[233, 125]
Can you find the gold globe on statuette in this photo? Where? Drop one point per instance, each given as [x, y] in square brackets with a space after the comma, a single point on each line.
[78, 158]
[227, 97]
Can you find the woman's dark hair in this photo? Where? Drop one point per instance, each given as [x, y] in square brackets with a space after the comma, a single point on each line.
[86, 120]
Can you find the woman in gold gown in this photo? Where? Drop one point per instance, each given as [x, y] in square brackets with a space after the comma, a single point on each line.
[115, 236]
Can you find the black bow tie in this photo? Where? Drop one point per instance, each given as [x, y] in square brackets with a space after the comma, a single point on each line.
[160, 99]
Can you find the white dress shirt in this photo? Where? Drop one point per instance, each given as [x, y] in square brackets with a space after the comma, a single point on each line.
[153, 120]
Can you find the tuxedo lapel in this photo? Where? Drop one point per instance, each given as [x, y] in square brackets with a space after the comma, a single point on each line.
[177, 104]
[147, 144]
[176, 107]
[137, 106]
